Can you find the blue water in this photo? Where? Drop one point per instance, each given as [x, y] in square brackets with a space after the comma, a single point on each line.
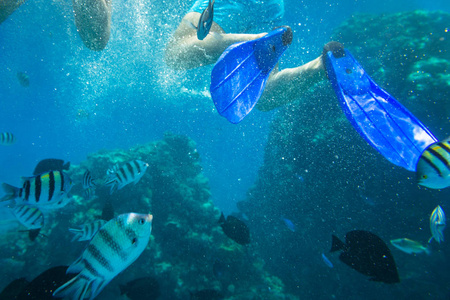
[80, 101]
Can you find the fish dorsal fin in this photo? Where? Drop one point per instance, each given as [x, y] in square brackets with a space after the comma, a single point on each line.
[337, 244]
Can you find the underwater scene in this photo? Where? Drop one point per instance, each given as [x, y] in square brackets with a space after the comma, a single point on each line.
[224, 149]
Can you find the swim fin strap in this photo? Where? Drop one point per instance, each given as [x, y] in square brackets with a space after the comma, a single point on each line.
[241, 72]
[386, 124]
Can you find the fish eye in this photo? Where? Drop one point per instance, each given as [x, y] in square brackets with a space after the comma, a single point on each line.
[141, 221]
[424, 176]
[134, 241]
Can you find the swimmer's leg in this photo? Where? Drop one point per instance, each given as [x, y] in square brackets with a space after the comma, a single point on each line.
[289, 84]
[185, 51]
[93, 21]
[7, 7]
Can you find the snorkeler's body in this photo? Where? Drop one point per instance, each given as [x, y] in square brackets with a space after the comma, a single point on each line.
[186, 51]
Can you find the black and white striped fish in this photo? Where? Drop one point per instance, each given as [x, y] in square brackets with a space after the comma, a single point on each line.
[433, 166]
[116, 245]
[88, 182]
[29, 216]
[7, 138]
[85, 232]
[132, 171]
[47, 190]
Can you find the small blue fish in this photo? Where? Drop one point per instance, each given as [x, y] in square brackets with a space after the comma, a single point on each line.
[289, 224]
[437, 224]
[205, 21]
[327, 261]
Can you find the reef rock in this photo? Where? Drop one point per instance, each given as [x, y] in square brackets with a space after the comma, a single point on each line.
[326, 179]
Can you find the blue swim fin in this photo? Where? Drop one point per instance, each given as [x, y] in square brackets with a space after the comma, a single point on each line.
[386, 124]
[240, 74]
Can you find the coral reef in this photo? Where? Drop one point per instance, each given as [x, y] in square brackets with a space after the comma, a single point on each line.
[320, 174]
[186, 238]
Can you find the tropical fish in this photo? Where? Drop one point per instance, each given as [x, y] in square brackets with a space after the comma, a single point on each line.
[85, 232]
[112, 249]
[13, 289]
[7, 138]
[205, 21]
[50, 164]
[89, 193]
[437, 224]
[88, 182]
[206, 294]
[409, 246]
[29, 216]
[368, 254]
[141, 288]
[44, 284]
[48, 190]
[289, 224]
[23, 78]
[130, 172]
[33, 234]
[433, 167]
[235, 229]
[326, 261]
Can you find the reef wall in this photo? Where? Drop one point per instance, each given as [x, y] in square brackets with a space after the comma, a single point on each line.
[320, 174]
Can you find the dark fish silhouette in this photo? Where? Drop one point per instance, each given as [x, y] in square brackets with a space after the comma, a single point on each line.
[368, 254]
[33, 233]
[141, 288]
[23, 78]
[43, 286]
[13, 289]
[235, 229]
[50, 164]
[206, 294]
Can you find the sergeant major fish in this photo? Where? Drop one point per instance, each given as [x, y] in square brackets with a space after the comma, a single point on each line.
[433, 166]
[409, 246]
[113, 248]
[88, 185]
[85, 232]
[47, 190]
[29, 216]
[130, 172]
[7, 138]
[437, 224]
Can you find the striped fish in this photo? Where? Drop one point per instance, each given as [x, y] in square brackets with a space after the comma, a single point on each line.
[47, 190]
[130, 172]
[85, 232]
[29, 216]
[88, 182]
[437, 224]
[89, 193]
[112, 249]
[433, 167]
[7, 138]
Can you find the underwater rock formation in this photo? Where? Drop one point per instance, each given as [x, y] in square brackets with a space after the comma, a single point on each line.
[326, 179]
[186, 243]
